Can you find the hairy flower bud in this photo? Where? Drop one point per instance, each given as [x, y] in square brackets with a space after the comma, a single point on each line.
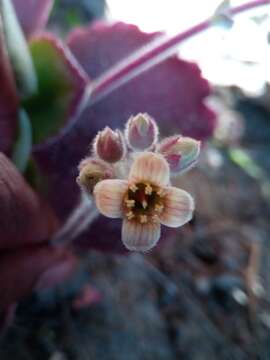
[180, 152]
[91, 172]
[141, 132]
[109, 145]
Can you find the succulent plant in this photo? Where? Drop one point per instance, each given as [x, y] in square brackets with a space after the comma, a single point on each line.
[56, 96]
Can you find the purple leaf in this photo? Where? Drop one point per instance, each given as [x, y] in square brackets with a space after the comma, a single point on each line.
[33, 14]
[26, 261]
[172, 92]
[24, 219]
[33, 267]
[8, 101]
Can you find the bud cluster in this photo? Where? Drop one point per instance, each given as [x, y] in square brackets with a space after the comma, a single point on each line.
[109, 145]
[113, 151]
[92, 171]
[141, 132]
[180, 152]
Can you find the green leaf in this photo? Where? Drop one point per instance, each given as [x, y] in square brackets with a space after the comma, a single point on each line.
[73, 18]
[23, 146]
[18, 50]
[243, 160]
[61, 86]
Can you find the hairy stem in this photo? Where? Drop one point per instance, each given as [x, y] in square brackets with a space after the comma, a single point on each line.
[81, 217]
[152, 54]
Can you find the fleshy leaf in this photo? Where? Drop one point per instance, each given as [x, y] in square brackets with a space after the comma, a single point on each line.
[23, 146]
[8, 100]
[30, 268]
[33, 14]
[172, 92]
[24, 218]
[18, 50]
[61, 86]
[27, 262]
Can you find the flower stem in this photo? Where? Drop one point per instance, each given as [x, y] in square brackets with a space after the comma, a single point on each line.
[152, 54]
[81, 217]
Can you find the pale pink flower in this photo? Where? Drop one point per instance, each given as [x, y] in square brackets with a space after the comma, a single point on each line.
[145, 201]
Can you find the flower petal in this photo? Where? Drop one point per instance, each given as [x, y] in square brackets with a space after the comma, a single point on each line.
[109, 197]
[179, 206]
[140, 237]
[150, 167]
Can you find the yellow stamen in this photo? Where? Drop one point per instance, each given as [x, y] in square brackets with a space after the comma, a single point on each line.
[159, 208]
[133, 188]
[148, 190]
[144, 204]
[130, 215]
[130, 203]
[143, 219]
[161, 192]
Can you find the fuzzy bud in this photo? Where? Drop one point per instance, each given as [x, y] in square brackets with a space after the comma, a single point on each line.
[91, 172]
[141, 132]
[180, 152]
[109, 145]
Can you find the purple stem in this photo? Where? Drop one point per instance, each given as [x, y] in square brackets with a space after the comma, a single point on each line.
[152, 54]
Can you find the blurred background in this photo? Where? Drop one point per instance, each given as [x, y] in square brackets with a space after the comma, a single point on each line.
[205, 295]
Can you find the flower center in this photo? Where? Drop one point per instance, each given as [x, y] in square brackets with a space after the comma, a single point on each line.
[143, 202]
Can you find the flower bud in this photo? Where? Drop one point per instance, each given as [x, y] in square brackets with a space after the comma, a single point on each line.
[91, 172]
[180, 152]
[109, 145]
[141, 132]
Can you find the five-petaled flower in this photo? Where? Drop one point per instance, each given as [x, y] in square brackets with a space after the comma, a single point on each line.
[145, 201]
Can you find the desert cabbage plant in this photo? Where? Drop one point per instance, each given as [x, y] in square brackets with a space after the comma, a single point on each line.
[56, 96]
